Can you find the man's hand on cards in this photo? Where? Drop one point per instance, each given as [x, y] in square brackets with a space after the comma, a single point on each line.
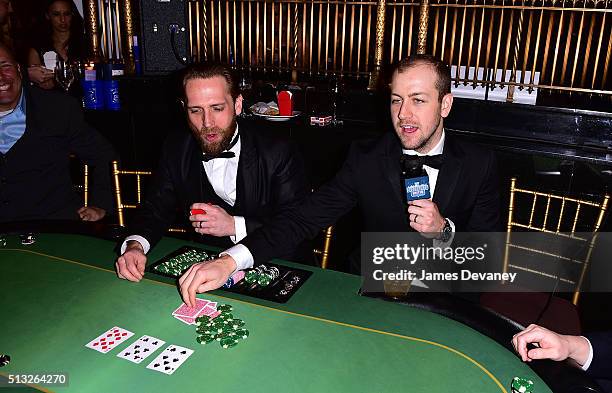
[204, 277]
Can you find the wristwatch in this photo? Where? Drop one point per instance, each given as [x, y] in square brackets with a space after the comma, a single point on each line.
[446, 232]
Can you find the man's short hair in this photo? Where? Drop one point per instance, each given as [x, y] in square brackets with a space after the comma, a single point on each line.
[8, 50]
[210, 70]
[443, 84]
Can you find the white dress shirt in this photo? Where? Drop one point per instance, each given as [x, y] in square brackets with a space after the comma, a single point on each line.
[587, 364]
[432, 173]
[222, 174]
[244, 259]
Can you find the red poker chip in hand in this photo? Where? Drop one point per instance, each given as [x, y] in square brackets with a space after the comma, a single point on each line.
[197, 211]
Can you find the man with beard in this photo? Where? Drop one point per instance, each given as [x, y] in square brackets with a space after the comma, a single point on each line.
[462, 177]
[237, 177]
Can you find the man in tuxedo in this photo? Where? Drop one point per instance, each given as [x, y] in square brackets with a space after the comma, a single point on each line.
[463, 181]
[237, 177]
[38, 132]
[592, 353]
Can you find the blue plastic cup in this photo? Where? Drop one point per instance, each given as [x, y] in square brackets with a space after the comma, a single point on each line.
[93, 94]
[111, 95]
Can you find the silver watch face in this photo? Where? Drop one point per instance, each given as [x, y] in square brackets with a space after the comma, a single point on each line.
[446, 231]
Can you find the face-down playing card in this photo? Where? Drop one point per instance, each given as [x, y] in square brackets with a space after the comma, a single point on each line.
[188, 315]
[170, 359]
[140, 349]
[109, 339]
[186, 311]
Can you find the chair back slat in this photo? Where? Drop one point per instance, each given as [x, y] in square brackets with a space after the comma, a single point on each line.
[555, 229]
[85, 185]
[117, 173]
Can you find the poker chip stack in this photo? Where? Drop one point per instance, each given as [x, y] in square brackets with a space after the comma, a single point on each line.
[175, 266]
[521, 385]
[4, 360]
[262, 275]
[224, 328]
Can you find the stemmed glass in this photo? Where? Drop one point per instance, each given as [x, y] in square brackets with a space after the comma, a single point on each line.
[64, 74]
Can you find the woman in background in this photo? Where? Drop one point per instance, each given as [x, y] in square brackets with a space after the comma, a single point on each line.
[60, 39]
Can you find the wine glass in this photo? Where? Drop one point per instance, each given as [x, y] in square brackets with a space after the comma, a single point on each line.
[64, 74]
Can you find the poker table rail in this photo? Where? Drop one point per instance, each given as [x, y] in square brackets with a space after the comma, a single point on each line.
[558, 376]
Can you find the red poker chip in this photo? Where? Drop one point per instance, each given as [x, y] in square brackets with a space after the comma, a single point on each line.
[197, 211]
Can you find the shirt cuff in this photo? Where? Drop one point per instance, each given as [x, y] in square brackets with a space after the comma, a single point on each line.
[241, 255]
[146, 246]
[440, 243]
[239, 229]
[587, 364]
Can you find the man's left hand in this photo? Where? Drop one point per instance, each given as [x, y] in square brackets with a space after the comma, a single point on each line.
[425, 217]
[91, 213]
[215, 221]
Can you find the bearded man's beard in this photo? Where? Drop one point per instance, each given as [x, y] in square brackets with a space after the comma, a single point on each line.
[215, 148]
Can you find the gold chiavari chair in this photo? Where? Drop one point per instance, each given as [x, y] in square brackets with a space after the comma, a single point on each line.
[121, 206]
[573, 220]
[323, 252]
[85, 185]
[555, 227]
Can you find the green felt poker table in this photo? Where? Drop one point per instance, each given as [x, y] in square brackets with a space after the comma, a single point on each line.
[61, 292]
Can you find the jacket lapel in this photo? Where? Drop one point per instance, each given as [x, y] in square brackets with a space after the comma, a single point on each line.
[192, 170]
[391, 165]
[448, 175]
[246, 179]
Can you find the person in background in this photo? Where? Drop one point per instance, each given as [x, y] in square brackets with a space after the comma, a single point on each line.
[39, 130]
[5, 26]
[60, 39]
[592, 353]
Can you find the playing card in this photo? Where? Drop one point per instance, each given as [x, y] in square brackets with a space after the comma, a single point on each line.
[109, 339]
[140, 349]
[187, 320]
[186, 311]
[208, 310]
[170, 359]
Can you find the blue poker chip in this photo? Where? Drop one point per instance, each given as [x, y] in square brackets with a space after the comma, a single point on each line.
[229, 283]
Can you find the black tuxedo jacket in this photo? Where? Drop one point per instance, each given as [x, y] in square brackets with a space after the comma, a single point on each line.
[270, 180]
[466, 192]
[35, 178]
[601, 366]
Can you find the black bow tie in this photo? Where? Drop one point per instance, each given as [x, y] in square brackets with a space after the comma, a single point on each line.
[409, 162]
[224, 154]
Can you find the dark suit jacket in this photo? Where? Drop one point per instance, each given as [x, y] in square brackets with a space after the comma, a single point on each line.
[35, 178]
[601, 366]
[466, 192]
[270, 180]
